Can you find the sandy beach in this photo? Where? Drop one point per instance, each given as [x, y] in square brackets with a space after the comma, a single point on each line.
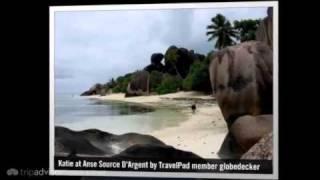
[203, 132]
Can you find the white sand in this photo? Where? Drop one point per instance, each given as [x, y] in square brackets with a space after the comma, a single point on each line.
[153, 99]
[121, 97]
[202, 133]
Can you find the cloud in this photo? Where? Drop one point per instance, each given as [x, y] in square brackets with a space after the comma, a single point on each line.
[63, 73]
[94, 46]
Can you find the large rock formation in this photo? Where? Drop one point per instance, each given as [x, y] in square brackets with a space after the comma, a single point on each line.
[139, 85]
[96, 89]
[242, 81]
[97, 143]
[156, 64]
[265, 29]
[263, 150]
[69, 142]
[179, 60]
[177, 63]
[241, 78]
[248, 130]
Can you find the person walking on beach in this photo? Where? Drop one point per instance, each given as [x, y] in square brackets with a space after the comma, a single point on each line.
[193, 107]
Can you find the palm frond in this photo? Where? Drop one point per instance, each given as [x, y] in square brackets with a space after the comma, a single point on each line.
[212, 26]
[210, 38]
[210, 32]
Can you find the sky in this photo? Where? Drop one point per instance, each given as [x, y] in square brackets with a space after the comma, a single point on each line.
[95, 46]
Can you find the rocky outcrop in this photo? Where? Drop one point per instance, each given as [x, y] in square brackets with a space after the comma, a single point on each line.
[230, 149]
[69, 143]
[156, 64]
[263, 150]
[248, 96]
[265, 29]
[101, 89]
[96, 142]
[94, 90]
[179, 60]
[241, 78]
[248, 130]
[139, 85]
[93, 142]
[244, 133]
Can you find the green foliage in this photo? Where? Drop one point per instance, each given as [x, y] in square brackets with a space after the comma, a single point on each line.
[155, 80]
[247, 29]
[171, 59]
[171, 56]
[129, 75]
[122, 83]
[187, 83]
[110, 84]
[198, 79]
[169, 84]
[224, 33]
[208, 58]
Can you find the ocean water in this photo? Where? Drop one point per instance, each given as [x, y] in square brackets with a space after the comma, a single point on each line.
[79, 113]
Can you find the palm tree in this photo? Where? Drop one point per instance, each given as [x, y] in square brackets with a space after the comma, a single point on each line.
[222, 30]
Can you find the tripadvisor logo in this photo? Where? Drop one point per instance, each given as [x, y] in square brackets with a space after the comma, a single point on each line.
[27, 172]
[12, 172]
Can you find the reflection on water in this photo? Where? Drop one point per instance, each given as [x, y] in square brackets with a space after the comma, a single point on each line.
[80, 113]
[124, 108]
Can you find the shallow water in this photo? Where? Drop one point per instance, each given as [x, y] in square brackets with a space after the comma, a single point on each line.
[80, 113]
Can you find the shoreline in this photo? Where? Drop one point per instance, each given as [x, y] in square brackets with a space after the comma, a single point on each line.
[202, 133]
